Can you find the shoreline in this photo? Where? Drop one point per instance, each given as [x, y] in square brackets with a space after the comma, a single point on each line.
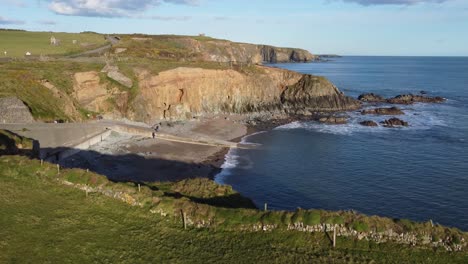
[219, 158]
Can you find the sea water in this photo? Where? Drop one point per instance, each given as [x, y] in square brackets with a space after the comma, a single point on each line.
[418, 172]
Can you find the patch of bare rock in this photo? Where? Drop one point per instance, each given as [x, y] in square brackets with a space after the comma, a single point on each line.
[394, 122]
[369, 123]
[400, 99]
[114, 74]
[383, 111]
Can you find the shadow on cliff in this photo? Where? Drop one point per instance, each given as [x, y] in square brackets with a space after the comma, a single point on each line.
[138, 169]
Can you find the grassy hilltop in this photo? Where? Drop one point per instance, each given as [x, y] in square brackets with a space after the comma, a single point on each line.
[49, 217]
[16, 43]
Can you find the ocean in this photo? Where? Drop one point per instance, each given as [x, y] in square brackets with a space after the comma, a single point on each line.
[418, 173]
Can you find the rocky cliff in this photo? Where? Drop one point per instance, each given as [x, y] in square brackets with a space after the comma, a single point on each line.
[208, 49]
[185, 93]
[315, 93]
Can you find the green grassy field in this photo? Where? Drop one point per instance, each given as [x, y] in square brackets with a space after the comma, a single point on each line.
[44, 221]
[17, 43]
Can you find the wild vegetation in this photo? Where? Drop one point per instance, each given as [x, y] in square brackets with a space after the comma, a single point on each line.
[22, 79]
[79, 216]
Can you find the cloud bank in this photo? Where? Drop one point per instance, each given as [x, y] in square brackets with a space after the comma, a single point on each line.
[108, 8]
[393, 2]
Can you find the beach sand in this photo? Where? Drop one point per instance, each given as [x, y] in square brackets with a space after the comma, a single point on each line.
[124, 157]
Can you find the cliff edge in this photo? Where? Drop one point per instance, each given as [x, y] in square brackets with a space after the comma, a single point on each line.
[187, 48]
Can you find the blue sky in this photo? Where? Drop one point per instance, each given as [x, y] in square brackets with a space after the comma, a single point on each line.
[348, 27]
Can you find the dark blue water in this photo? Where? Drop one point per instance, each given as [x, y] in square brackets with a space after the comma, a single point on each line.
[419, 172]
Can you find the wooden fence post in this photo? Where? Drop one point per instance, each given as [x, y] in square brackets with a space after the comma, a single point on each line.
[58, 168]
[139, 188]
[266, 207]
[334, 236]
[184, 218]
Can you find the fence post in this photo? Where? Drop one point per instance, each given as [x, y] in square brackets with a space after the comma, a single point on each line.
[266, 207]
[58, 168]
[139, 188]
[334, 236]
[184, 218]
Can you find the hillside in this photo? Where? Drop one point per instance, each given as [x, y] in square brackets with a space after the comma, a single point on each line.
[202, 48]
[147, 78]
[16, 43]
[78, 216]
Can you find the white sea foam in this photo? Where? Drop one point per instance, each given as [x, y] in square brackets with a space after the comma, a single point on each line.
[419, 117]
[233, 160]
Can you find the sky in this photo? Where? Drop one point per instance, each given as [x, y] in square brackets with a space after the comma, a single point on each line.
[345, 27]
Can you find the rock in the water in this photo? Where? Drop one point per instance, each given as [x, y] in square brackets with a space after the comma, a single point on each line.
[371, 98]
[13, 110]
[369, 123]
[333, 120]
[410, 99]
[120, 78]
[383, 111]
[394, 122]
[316, 93]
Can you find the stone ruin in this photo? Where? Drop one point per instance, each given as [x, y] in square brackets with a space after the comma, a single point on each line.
[13, 110]
[54, 41]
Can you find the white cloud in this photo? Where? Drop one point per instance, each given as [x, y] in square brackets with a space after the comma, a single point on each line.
[108, 8]
[7, 21]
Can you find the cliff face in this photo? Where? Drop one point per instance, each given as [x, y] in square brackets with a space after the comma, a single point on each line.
[186, 92]
[226, 51]
[209, 49]
[183, 93]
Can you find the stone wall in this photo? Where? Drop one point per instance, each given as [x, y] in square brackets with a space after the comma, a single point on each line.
[13, 110]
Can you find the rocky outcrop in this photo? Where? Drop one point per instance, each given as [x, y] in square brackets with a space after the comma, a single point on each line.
[214, 50]
[120, 78]
[13, 110]
[383, 111]
[333, 120]
[68, 105]
[410, 99]
[89, 91]
[183, 93]
[114, 74]
[371, 98]
[394, 122]
[400, 99]
[272, 54]
[368, 123]
[316, 94]
[97, 96]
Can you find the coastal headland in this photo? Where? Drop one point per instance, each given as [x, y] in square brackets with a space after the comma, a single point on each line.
[138, 122]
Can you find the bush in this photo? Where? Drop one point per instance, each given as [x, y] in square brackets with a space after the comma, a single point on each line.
[360, 226]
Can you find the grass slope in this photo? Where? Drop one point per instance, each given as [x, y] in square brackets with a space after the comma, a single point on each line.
[45, 221]
[17, 43]
[22, 79]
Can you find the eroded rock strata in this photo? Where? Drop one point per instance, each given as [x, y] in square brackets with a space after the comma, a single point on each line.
[183, 93]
